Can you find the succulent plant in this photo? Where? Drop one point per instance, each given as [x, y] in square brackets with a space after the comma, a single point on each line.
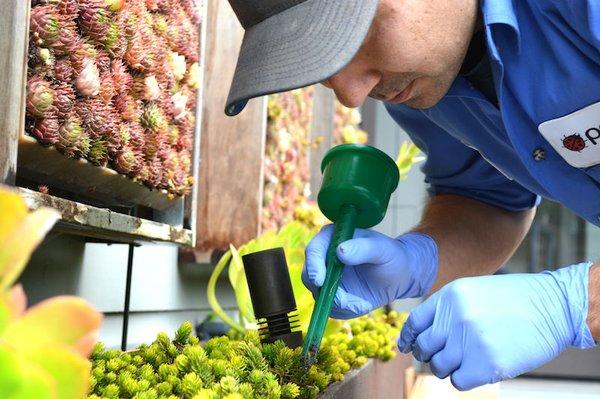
[178, 65]
[192, 77]
[68, 8]
[179, 107]
[240, 367]
[98, 118]
[286, 165]
[122, 79]
[41, 61]
[95, 18]
[107, 87]
[88, 79]
[103, 61]
[129, 108]
[83, 97]
[153, 141]
[40, 96]
[84, 50]
[145, 87]
[45, 24]
[73, 140]
[63, 70]
[64, 99]
[46, 130]
[98, 153]
[136, 135]
[153, 118]
[125, 161]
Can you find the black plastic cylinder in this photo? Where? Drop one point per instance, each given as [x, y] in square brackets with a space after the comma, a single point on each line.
[269, 282]
[272, 296]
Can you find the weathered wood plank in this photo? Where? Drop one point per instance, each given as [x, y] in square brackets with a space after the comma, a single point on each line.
[102, 223]
[14, 29]
[377, 379]
[191, 200]
[323, 111]
[230, 189]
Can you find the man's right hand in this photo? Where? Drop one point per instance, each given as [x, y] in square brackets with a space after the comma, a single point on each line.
[379, 269]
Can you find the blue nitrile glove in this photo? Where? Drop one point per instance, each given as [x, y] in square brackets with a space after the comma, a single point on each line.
[379, 269]
[482, 330]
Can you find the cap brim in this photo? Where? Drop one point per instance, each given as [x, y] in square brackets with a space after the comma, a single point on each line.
[303, 45]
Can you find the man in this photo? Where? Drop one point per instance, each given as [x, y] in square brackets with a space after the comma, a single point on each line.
[504, 98]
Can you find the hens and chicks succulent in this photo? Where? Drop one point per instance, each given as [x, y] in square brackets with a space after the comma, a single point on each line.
[115, 82]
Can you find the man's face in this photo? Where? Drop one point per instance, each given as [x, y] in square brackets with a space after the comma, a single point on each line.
[412, 53]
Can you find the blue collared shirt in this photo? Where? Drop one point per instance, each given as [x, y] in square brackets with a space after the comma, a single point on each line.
[545, 57]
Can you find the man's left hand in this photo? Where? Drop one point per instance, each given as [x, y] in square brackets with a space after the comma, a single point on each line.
[482, 330]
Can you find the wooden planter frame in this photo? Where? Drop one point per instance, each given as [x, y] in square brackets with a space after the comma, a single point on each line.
[376, 379]
[94, 201]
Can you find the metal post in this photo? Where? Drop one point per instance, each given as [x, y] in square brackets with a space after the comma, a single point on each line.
[127, 297]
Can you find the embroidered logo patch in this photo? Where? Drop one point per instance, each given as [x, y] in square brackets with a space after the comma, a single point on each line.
[576, 137]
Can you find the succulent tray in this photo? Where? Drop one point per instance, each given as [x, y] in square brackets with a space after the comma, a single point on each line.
[241, 367]
[112, 90]
[101, 99]
[286, 170]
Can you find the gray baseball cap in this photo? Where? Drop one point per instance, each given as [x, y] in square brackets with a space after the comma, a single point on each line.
[294, 43]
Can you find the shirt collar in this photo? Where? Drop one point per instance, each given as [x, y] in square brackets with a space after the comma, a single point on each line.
[501, 12]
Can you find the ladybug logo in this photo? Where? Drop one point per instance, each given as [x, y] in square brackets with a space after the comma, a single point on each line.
[574, 143]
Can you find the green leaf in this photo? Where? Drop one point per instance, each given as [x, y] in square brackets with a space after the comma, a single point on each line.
[70, 370]
[22, 380]
[24, 236]
[408, 155]
[240, 285]
[212, 296]
[45, 324]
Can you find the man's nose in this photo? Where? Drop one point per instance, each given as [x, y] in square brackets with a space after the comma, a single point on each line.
[352, 89]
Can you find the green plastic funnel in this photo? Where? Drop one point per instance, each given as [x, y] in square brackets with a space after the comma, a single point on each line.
[358, 181]
[361, 176]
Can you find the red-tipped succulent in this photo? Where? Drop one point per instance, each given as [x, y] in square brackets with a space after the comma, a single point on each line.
[94, 19]
[145, 87]
[44, 24]
[64, 99]
[88, 79]
[107, 87]
[96, 116]
[63, 70]
[127, 161]
[128, 107]
[69, 9]
[82, 96]
[122, 79]
[40, 97]
[46, 130]
[73, 140]
[103, 61]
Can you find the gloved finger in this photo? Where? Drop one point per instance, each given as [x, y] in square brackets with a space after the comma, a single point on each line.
[348, 306]
[316, 252]
[468, 376]
[428, 343]
[448, 360]
[419, 320]
[373, 249]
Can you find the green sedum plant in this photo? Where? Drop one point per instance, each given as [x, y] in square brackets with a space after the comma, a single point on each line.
[236, 368]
